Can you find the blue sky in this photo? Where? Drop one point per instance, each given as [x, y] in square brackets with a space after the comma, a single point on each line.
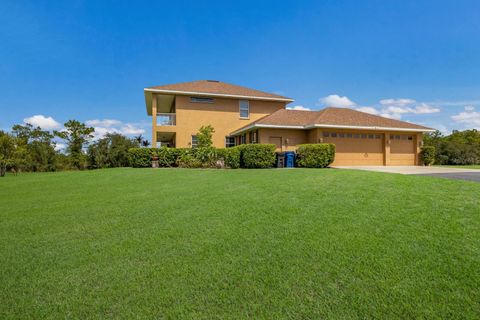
[90, 60]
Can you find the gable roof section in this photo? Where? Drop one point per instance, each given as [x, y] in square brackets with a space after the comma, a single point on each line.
[214, 88]
[340, 118]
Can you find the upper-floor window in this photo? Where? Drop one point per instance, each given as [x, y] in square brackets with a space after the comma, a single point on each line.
[244, 107]
[201, 100]
[229, 142]
[194, 141]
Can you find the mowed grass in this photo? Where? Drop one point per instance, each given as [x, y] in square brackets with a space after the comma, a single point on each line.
[193, 244]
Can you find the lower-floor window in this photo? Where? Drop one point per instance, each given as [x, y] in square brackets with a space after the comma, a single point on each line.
[229, 142]
[253, 136]
[194, 141]
[243, 139]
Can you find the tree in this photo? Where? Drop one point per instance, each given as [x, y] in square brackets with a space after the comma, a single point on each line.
[7, 147]
[110, 151]
[76, 135]
[7, 152]
[37, 147]
[204, 136]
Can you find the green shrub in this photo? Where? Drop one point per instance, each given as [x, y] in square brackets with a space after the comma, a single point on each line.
[427, 155]
[140, 157]
[315, 155]
[187, 158]
[167, 157]
[257, 155]
[230, 157]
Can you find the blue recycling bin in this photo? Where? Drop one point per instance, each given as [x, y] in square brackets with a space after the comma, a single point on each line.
[289, 159]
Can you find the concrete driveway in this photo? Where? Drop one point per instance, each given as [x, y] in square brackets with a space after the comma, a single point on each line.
[443, 172]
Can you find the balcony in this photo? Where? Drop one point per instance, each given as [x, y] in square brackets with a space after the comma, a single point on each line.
[166, 119]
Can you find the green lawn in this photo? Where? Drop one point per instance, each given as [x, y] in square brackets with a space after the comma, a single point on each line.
[298, 244]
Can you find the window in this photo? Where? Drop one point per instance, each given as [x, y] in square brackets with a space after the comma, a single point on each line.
[244, 107]
[356, 136]
[194, 141]
[397, 137]
[326, 134]
[370, 136]
[341, 135]
[334, 134]
[229, 142]
[243, 139]
[410, 138]
[253, 137]
[201, 100]
[364, 136]
[377, 136]
[349, 135]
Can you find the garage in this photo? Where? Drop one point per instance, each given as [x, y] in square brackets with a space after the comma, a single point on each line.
[356, 148]
[402, 150]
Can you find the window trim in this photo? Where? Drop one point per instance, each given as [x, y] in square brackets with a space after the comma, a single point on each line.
[247, 109]
[194, 145]
[231, 143]
[201, 100]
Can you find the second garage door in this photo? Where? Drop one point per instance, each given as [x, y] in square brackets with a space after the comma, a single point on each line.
[356, 149]
[402, 152]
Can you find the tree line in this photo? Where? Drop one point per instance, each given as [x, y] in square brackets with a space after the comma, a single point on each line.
[458, 148]
[31, 149]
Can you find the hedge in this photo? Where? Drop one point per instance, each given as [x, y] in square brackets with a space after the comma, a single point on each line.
[245, 156]
[257, 155]
[427, 155]
[140, 157]
[230, 157]
[315, 155]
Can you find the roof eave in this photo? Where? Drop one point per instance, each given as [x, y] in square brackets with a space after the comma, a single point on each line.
[375, 128]
[312, 126]
[221, 95]
[148, 102]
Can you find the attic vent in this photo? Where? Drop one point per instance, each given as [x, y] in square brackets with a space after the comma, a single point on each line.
[213, 81]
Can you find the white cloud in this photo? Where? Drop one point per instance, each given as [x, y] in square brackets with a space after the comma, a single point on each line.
[46, 123]
[469, 118]
[129, 129]
[397, 102]
[60, 146]
[102, 127]
[370, 110]
[301, 108]
[335, 100]
[103, 123]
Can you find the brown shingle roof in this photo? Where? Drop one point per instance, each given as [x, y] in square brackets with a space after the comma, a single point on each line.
[215, 87]
[341, 117]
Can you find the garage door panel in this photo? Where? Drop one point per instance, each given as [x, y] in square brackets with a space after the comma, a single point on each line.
[357, 151]
[402, 152]
[349, 159]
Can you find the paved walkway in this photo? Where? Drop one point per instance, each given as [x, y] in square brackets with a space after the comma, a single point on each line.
[443, 172]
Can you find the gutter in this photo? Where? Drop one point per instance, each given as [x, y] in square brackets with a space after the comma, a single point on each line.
[306, 127]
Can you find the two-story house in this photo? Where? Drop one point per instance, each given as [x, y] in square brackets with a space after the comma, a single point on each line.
[241, 115]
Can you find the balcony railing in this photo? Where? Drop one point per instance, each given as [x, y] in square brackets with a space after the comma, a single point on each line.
[166, 119]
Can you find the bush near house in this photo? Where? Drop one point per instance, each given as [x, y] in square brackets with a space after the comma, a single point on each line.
[315, 155]
[427, 155]
[230, 157]
[257, 155]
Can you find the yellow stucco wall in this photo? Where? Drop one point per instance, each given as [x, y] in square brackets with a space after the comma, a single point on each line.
[222, 114]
